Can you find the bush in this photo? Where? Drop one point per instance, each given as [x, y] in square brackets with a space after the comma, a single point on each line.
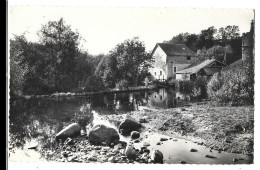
[234, 85]
[200, 88]
[185, 86]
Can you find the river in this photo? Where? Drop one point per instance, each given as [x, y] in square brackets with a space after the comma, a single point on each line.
[39, 120]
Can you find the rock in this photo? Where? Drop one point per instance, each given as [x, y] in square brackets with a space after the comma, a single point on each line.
[146, 150]
[102, 133]
[97, 147]
[111, 159]
[158, 143]
[130, 152]
[92, 159]
[156, 156]
[120, 145]
[209, 156]
[128, 125]
[200, 143]
[71, 130]
[135, 134]
[235, 160]
[193, 150]
[137, 141]
[143, 119]
[163, 139]
[68, 141]
[32, 147]
[145, 144]
[183, 162]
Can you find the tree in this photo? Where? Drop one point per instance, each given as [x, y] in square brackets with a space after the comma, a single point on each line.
[62, 46]
[219, 53]
[206, 38]
[131, 59]
[17, 69]
[228, 33]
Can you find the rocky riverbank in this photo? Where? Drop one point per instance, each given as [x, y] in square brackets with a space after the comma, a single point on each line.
[222, 128]
[118, 138]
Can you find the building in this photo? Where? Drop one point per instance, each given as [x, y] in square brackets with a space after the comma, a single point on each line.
[200, 68]
[170, 58]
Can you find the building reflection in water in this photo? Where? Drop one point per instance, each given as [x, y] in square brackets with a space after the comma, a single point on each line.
[167, 98]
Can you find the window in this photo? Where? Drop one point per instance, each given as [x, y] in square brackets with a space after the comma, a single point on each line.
[174, 69]
[160, 72]
[188, 57]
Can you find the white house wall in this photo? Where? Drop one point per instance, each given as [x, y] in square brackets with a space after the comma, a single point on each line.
[159, 65]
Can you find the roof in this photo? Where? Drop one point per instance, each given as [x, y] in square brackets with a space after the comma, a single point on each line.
[196, 68]
[175, 49]
[211, 71]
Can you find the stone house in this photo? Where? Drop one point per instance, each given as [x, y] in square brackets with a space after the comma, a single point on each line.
[170, 58]
[205, 68]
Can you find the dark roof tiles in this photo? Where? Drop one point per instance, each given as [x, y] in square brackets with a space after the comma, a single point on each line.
[176, 49]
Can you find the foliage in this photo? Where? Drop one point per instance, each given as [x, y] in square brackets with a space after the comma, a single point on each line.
[218, 52]
[233, 85]
[184, 38]
[94, 83]
[228, 33]
[122, 84]
[200, 88]
[54, 64]
[61, 44]
[206, 38]
[127, 61]
[17, 69]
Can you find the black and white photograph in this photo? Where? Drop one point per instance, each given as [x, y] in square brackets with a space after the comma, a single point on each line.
[131, 85]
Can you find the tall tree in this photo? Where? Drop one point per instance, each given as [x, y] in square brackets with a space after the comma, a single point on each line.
[62, 44]
[132, 59]
[206, 38]
[17, 68]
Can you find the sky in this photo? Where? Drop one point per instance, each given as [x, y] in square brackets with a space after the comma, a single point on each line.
[104, 27]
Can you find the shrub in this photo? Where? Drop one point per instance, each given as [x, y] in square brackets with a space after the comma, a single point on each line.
[185, 86]
[234, 85]
[200, 85]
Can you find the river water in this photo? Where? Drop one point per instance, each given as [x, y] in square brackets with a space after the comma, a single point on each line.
[38, 121]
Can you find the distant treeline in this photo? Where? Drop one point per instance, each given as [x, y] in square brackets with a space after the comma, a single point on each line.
[57, 64]
[223, 44]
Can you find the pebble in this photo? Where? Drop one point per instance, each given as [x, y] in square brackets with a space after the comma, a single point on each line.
[137, 141]
[163, 139]
[158, 143]
[145, 144]
[92, 159]
[111, 159]
[235, 160]
[209, 156]
[193, 150]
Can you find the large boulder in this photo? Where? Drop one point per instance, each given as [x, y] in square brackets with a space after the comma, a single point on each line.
[128, 125]
[102, 134]
[156, 156]
[71, 130]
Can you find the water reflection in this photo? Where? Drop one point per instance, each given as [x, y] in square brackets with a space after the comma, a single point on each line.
[167, 98]
[43, 118]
